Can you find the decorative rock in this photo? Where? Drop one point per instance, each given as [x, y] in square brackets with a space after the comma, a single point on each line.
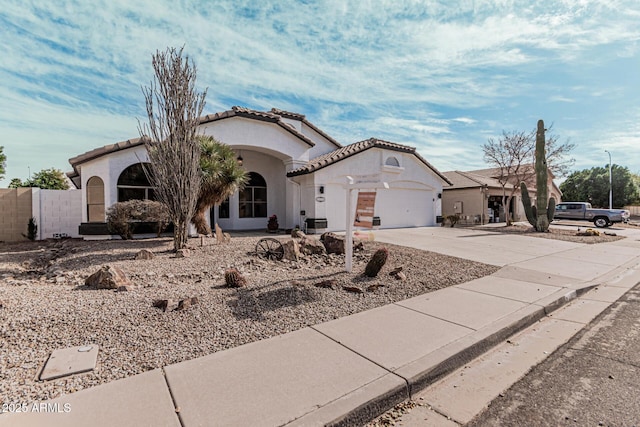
[400, 276]
[395, 271]
[291, 250]
[144, 254]
[220, 236]
[124, 288]
[165, 304]
[108, 277]
[186, 303]
[374, 287]
[353, 289]
[377, 261]
[296, 233]
[183, 253]
[331, 284]
[588, 232]
[311, 246]
[333, 243]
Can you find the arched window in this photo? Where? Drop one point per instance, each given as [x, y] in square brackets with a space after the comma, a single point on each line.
[392, 161]
[134, 185]
[253, 199]
[95, 199]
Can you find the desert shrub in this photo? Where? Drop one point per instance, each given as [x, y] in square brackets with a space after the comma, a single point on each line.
[122, 217]
[156, 212]
[32, 229]
[453, 219]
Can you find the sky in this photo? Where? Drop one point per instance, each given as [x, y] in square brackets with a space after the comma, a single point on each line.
[441, 76]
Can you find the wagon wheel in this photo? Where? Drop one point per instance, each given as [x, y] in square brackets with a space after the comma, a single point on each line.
[270, 248]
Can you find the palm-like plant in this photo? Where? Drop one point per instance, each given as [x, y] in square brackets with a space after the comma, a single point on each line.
[221, 177]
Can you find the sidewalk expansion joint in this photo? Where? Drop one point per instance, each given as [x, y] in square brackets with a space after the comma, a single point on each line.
[433, 317]
[173, 399]
[362, 355]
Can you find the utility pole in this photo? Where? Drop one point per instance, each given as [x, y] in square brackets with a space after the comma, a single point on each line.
[610, 187]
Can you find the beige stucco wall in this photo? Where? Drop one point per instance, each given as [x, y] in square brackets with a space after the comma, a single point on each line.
[473, 201]
[15, 211]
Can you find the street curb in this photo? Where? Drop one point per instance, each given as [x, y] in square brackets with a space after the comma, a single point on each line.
[424, 372]
[454, 355]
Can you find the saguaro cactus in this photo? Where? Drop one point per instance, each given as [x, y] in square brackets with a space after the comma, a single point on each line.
[540, 214]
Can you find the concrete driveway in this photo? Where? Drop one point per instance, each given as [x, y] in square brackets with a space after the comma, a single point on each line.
[476, 245]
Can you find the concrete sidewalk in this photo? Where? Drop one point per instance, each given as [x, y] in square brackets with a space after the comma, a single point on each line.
[349, 370]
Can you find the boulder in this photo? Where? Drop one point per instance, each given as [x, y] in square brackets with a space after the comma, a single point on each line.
[296, 233]
[144, 254]
[333, 243]
[311, 246]
[183, 253]
[291, 250]
[108, 277]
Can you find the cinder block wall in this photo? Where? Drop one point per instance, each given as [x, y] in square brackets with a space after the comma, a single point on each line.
[15, 211]
[59, 213]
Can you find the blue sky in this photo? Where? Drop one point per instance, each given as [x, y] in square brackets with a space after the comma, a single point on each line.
[443, 76]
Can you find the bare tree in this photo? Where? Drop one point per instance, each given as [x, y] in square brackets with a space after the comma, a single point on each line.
[173, 108]
[513, 157]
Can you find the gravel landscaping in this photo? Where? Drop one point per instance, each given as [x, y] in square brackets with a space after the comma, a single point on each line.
[45, 305]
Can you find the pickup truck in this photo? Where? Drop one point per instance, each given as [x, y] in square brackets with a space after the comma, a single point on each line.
[583, 212]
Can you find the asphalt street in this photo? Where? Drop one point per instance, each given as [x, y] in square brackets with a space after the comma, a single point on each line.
[592, 380]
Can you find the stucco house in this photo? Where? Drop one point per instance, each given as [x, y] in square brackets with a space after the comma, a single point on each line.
[476, 196]
[297, 172]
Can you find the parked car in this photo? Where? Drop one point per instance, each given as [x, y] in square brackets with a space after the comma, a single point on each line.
[584, 212]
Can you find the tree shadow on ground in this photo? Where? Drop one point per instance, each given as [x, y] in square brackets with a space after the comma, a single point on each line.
[252, 303]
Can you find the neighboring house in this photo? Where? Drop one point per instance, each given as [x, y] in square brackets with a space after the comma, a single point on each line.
[476, 196]
[296, 171]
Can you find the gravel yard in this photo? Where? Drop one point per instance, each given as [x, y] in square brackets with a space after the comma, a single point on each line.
[44, 304]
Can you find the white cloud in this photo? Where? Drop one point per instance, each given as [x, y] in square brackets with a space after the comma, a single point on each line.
[401, 70]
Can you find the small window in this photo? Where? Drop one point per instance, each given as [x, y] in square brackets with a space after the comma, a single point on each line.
[392, 161]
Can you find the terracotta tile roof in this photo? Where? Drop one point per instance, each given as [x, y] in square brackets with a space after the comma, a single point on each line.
[234, 112]
[355, 148]
[288, 114]
[470, 180]
[98, 152]
[256, 115]
[302, 118]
